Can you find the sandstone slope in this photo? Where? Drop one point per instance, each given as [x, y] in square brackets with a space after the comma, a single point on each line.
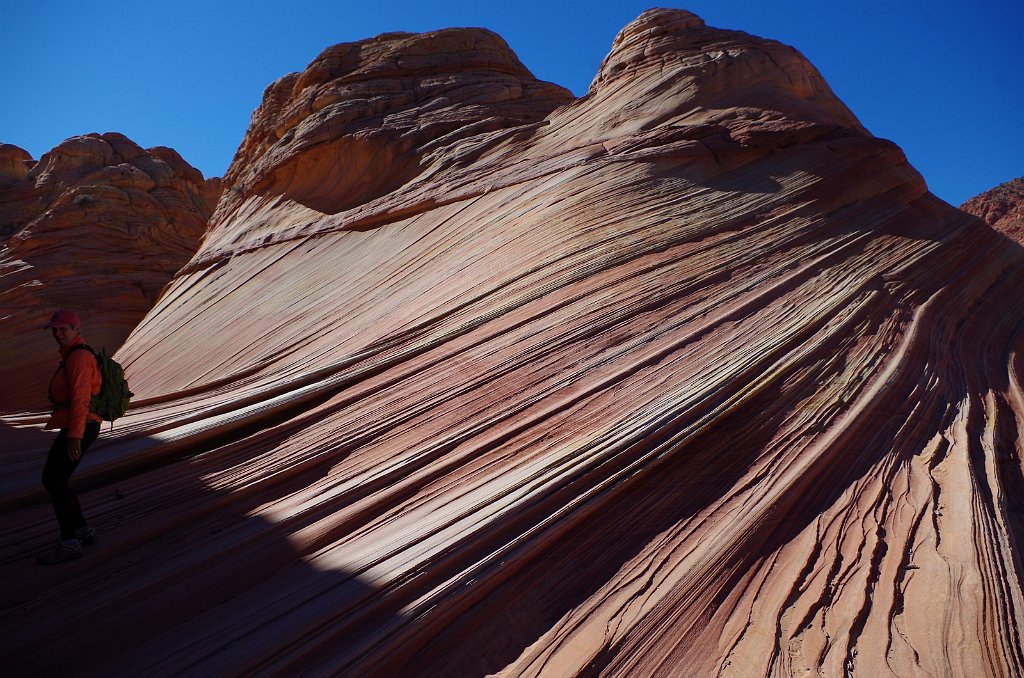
[691, 376]
[1002, 208]
[98, 225]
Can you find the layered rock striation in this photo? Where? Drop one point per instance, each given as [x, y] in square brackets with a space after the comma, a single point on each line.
[690, 376]
[1002, 208]
[99, 225]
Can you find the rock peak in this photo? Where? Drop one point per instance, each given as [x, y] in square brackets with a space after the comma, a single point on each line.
[672, 54]
[383, 104]
[657, 21]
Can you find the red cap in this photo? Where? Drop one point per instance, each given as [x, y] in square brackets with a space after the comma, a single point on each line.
[63, 318]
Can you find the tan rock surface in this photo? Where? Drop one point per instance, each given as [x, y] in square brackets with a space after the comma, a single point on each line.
[1002, 208]
[690, 376]
[99, 225]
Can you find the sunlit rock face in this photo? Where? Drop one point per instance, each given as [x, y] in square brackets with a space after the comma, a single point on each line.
[1002, 208]
[691, 376]
[98, 225]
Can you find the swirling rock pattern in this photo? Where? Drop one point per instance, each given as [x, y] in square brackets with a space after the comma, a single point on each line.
[691, 376]
[99, 225]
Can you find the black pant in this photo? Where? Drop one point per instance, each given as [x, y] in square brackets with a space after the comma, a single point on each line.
[56, 474]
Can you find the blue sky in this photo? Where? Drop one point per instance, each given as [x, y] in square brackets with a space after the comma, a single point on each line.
[941, 79]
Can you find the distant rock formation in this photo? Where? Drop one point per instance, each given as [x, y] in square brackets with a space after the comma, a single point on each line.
[1002, 208]
[690, 376]
[99, 225]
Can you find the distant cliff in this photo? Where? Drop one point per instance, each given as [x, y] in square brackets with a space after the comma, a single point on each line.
[690, 376]
[98, 225]
[1002, 208]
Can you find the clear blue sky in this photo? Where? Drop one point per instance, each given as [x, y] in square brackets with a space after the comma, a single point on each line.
[942, 79]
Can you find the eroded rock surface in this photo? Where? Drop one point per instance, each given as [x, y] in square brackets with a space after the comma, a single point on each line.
[1002, 208]
[98, 225]
[691, 376]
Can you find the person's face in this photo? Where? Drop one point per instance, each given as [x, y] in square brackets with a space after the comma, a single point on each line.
[64, 335]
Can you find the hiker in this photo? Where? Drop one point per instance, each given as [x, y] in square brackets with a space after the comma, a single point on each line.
[73, 385]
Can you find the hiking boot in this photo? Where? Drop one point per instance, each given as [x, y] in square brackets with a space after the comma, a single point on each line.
[59, 553]
[86, 535]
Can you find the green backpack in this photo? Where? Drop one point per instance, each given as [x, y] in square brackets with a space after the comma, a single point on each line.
[112, 400]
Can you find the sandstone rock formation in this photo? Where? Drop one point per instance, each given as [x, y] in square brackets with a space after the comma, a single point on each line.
[1002, 208]
[15, 164]
[99, 225]
[691, 376]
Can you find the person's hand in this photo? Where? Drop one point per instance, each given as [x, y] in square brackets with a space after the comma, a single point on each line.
[74, 448]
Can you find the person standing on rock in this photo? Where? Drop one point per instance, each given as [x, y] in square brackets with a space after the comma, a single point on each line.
[72, 387]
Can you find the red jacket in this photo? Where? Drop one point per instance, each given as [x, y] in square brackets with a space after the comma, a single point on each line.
[71, 389]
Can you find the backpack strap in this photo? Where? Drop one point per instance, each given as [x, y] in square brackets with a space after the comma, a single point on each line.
[75, 348]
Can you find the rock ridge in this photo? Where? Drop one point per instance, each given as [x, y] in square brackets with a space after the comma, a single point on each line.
[710, 71]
